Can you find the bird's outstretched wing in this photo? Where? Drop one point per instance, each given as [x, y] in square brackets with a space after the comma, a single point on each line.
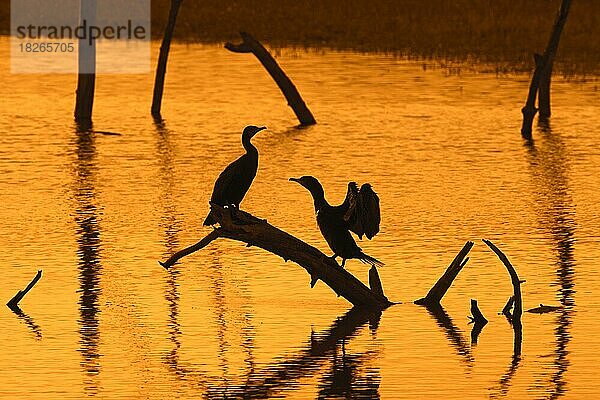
[363, 215]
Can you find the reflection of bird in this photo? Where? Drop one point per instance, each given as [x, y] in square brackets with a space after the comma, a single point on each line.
[233, 183]
[358, 213]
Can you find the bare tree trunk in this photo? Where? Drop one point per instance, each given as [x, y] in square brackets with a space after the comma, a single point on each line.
[251, 45]
[549, 55]
[241, 226]
[86, 80]
[161, 69]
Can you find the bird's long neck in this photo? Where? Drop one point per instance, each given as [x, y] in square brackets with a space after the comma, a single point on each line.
[248, 146]
[318, 196]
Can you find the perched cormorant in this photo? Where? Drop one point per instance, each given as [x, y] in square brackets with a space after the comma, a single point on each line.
[233, 183]
[358, 213]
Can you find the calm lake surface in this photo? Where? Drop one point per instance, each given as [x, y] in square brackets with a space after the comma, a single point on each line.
[444, 153]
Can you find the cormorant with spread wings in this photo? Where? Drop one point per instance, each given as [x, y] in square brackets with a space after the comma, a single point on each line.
[358, 213]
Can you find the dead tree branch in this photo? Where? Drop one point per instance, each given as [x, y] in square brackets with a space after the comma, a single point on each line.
[163, 57]
[529, 110]
[241, 226]
[518, 301]
[251, 45]
[443, 284]
[13, 303]
[542, 75]
[516, 282]
[549, 55]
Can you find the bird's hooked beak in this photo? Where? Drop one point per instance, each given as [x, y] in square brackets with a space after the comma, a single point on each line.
[299, 181]
[258, 129]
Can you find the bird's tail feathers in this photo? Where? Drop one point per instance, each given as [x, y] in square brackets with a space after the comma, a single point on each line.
[370, 260]
[210, 220]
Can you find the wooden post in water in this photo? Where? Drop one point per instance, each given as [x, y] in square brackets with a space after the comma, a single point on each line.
[241, 226]
[549, 54]
[251, 45]
[86, 80]
[161, 68]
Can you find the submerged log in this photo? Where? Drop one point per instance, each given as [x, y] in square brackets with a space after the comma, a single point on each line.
[435, 294]
[163, 57]
[13, 303]
[543, 309]
[549, 55]
[241, 226]
[251, 45]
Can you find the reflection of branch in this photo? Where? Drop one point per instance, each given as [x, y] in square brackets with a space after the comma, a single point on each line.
[344, 381]
[549, 170]
[283, 375]
[505, 380]
[453, 334]
[88, 240]
[504, 383]
[35, 328]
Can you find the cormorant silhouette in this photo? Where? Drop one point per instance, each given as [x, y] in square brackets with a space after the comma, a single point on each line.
[358, 213]
[233, 183]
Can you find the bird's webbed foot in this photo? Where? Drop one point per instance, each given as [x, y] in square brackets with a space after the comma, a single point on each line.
[343, 262]
[233, 212]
